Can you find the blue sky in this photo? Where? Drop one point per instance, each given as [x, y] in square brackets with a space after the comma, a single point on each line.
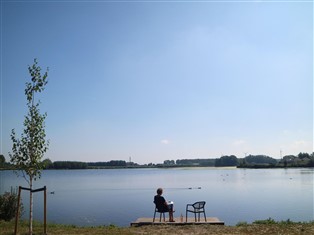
[162, 80]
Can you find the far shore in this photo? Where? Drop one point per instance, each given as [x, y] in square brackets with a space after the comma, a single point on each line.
[169, 167]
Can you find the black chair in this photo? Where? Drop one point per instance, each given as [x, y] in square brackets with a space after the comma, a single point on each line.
[161, 213]
[196, 208]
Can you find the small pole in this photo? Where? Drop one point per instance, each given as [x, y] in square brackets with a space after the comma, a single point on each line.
[17, 210]
[45, 210]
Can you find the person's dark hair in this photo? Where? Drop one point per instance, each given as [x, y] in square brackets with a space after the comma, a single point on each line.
[159, 191]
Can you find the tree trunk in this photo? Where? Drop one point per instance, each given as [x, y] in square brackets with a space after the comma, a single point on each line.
[30, 206]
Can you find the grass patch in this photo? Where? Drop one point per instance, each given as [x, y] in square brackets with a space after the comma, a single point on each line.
[271, 221]
[267, 221]
[241, 223]
[259, 227]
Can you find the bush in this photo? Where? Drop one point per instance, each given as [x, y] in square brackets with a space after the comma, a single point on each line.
[8, 205]
[267, 221]
[242, 223]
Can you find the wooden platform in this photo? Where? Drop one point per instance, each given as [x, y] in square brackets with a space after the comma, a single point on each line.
[149, 221]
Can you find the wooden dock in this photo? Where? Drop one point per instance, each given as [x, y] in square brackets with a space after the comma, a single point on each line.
[190, 221]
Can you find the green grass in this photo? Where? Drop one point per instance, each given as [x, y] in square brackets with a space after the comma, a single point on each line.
[283, 222]
[268, 226]
[7, 228]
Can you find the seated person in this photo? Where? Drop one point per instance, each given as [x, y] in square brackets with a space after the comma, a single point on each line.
[162, 205]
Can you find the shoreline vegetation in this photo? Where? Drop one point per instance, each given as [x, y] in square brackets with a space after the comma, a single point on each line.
[250, 161]
[268, 226]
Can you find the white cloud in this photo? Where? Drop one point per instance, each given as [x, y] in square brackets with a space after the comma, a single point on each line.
[238, 143]
[297, 146]
[300, 144]
[165, 141]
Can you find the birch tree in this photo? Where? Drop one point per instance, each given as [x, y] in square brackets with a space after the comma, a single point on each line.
[29, 149]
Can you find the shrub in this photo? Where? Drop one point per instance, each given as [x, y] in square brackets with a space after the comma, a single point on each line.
[8, 205]
[241, 223]
[267, 221]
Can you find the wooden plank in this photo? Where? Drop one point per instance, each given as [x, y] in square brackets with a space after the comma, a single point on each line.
[190, 221]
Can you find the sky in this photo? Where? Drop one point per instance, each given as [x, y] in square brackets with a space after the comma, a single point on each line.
[161, 80]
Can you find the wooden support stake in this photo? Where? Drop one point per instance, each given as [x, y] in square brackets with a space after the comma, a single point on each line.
[45, 210]
[18, 206]
[17, 210]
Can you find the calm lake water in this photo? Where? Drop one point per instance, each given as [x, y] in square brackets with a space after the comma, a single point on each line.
[120, 196]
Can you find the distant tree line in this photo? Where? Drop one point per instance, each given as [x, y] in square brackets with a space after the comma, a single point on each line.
[67, 165]
[48, 164]
[302, 159]
[257, 161]
[3, 163]
[227, 161]
[112, 163]
[83, 165]
[2, 160]
[250, 161]
[196, 162]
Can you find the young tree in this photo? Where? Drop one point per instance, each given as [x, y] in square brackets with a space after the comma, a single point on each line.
[28, 151]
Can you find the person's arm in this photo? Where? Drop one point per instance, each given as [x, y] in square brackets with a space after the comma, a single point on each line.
[164, 201]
